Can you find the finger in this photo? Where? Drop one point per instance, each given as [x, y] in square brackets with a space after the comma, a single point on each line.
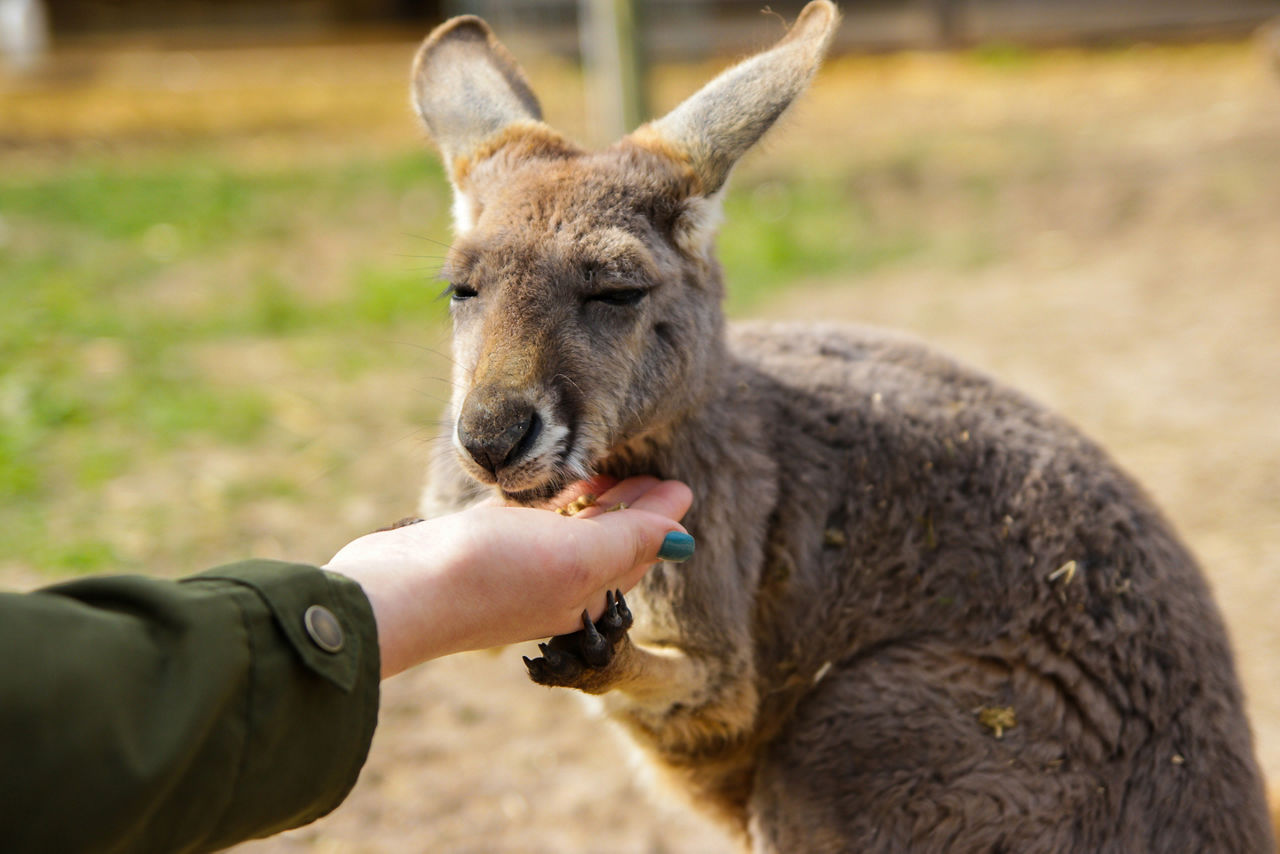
[627, 493]
[645, 545]
[628, 542]
[640, 530]
[639, 535]
[670, 498]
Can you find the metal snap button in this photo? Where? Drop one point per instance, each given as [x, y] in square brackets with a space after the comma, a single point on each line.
[323, 628]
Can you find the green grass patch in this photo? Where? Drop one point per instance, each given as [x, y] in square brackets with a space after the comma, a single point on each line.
[118, 272]
[779, 232]
[125, 280]
[1003, 56]
[387, 297]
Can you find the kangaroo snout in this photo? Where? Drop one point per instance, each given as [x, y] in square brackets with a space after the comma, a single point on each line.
[498, 428]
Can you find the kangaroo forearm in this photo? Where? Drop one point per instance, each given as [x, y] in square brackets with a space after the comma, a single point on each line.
[682, 702]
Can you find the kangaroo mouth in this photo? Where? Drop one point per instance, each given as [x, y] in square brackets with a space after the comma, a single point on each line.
[533, 480]
[558, 474]
[535, 496]
[527, 446]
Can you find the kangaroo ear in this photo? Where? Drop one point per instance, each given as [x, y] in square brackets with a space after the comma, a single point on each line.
[473, 99]
[715, 127]
[466, 87]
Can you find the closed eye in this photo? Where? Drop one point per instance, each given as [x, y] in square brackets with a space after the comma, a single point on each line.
[458, 292]
[619, 296]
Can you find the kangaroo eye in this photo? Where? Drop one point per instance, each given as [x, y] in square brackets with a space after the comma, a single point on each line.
[622, 296]
[458, 292]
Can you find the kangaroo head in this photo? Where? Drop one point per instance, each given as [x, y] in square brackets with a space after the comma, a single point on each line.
[585, 295]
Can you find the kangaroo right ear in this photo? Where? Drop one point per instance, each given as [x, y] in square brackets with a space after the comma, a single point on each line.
[471, 95]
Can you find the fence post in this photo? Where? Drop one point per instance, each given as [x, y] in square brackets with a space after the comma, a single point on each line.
[613, 57]
[948, 13]
[24, 33]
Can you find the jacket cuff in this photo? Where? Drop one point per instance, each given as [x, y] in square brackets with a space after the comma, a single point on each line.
[309, 727]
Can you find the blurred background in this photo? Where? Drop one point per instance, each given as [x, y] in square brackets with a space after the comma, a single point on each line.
[221, 333]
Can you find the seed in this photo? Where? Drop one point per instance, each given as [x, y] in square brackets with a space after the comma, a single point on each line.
[1067, 572]
[577, 505]
[997, 719]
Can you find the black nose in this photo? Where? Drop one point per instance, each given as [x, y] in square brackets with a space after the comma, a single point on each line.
[497, 432]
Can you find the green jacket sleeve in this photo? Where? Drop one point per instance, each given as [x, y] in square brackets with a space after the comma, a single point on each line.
[141, 714]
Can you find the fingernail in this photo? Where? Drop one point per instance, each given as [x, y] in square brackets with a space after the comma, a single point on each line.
[676, 547]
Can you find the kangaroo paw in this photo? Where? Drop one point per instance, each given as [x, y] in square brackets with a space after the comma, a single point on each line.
[554, 666]
[569, 659]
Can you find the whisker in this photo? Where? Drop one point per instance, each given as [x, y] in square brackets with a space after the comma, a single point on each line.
[423, 347]
[570, 381]
[469, 255]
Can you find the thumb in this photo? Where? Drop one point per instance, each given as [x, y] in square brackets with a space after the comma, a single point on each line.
[647, 538]
[669, 500]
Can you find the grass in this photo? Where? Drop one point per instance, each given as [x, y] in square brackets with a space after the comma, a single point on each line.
[101, 355]
[220, 337]
[778, 232]
[220, 316]
[120, 271]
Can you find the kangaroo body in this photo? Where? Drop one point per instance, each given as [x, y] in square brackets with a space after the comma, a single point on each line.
[924, 613]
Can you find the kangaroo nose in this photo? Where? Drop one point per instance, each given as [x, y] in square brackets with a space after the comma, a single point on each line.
[497, 432]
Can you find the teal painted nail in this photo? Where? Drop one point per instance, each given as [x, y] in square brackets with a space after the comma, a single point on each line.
[677, 547]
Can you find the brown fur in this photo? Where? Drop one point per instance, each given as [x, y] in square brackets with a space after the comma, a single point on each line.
[890, 545]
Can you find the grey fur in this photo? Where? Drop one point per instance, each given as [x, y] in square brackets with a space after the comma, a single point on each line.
[891, 546]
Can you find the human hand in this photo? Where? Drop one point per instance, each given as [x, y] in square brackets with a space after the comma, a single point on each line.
[493, 575]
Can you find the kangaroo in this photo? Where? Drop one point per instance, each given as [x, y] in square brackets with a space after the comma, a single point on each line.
[924, 613]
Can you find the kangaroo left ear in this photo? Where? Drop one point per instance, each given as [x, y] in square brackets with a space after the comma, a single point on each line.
[716, 126]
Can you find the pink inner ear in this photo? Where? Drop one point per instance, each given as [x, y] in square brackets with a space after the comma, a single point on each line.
[466, 87]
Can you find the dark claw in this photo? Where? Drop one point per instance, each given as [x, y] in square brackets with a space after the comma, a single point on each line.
[623, 611]
[595, 648]
[616, 619]
[611, 621]
[561, 665]
[554, 668]
[566, 657]
[553, 657]
[537, 668]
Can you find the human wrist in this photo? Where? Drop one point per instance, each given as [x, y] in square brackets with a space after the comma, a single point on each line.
[406, 577]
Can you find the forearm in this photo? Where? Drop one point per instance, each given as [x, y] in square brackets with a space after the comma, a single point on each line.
[142, 714]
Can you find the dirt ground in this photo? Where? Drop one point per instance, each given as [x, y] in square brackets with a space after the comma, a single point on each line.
[1135, 287]
[1140, 296]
